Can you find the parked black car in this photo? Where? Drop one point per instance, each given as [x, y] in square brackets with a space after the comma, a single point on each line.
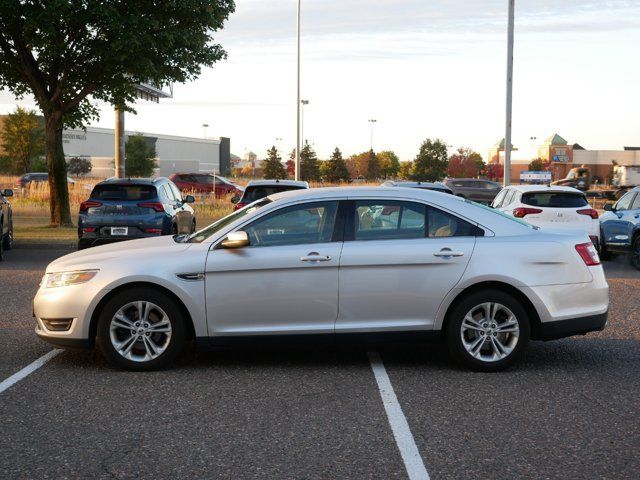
[481, 191]
[435, 186]
[126, 209]
[6, 222]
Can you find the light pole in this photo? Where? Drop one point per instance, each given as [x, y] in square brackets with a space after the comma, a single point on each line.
[507, 137]
[302, 104]
[297, 175]
[205, 125]
[533, 146]
[372, 121]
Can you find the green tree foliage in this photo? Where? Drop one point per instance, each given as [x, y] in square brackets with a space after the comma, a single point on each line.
[309, 166]
[335, 169]
[373, 166]
[272, 166]
[140, 157]
[22, 140]
[431, 162]
[405, 171]
[79, 166]
[63, 51]
[465, 163]
[389, 163]
[538, 165]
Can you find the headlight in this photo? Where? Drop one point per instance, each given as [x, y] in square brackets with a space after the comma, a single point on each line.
[64, 279]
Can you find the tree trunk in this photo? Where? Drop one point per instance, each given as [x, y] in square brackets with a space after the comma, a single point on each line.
[57, 168]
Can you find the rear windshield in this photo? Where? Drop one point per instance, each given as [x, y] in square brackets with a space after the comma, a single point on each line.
[253, 193]
[123, 192]
[554, 199]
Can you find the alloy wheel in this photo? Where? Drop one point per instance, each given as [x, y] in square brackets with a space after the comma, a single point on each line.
[140, 331]
[489, 332]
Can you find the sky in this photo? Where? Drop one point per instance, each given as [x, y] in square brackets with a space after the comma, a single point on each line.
[421, 68]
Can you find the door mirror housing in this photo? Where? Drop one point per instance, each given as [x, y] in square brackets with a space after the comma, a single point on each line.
[235, 199]
[608, 207]
[189, 199]
[237, 239]
[7, 193]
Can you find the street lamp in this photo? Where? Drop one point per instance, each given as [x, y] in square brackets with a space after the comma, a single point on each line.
[205, 125]
[372, 121]
[507, 137]
[297, 171]
[302, 103]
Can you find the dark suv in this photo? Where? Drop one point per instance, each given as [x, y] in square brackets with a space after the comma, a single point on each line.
[6, 222]
[125, 209]
[481, 191]
[40, 177]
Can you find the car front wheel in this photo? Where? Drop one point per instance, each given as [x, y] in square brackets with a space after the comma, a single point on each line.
[8, 239]
[141, 330]
[488, 331]
[635, 252]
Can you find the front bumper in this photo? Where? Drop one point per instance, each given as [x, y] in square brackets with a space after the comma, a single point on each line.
[572, 326]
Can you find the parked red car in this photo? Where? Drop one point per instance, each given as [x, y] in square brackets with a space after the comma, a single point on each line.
[203, 183]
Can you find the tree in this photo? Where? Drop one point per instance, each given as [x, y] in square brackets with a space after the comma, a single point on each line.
[64, 51]
[465, 163]
[272, 166]
[539, 165]
[495, 171]
[335, 169]
[140, 157]
[22, 139]
[373, 167]
[291, 164]
[389, 163]
[431, 162]
[309, 168]
[79, 166]
[405, 171]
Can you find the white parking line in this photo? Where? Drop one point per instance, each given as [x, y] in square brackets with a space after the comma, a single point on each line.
[399, 426]
[28, 370]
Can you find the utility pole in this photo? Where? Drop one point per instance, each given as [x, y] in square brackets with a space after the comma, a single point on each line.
[118, 160]
[297, 176]
[205, 125]
[372, 121]
[507, 137]
[302, 104]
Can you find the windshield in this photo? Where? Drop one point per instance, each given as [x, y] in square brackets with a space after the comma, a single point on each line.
[201, 235]
[504, 215]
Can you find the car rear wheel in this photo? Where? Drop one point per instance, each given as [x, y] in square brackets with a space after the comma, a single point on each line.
[141, 330]
[488, 331]
[635, 252]
[1, 243]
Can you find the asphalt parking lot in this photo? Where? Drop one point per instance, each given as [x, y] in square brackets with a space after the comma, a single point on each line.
[570, 410]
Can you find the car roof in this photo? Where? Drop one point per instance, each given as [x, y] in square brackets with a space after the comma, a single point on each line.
[452, 179]
[393, 183]
[292, 183]
[544, 188]
[133, 181]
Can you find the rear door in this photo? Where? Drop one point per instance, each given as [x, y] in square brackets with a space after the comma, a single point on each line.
[399, 261]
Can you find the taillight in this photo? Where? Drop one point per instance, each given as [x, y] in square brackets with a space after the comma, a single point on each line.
[590, 212]
[88, 230]
[239, 206]
[87, 204]
[588, 253]
[522, 211]
[156, 231]
[157, 206]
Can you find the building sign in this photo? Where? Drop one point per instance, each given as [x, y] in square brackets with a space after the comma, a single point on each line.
[67, 136]
[535, 177]
[560, 154]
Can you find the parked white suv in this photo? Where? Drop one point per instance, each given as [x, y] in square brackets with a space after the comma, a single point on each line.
[560, 208]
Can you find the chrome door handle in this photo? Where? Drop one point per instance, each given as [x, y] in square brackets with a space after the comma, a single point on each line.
[315, 257]
[448, 253]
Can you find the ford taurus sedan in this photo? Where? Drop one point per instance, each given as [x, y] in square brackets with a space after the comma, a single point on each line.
[331, 263]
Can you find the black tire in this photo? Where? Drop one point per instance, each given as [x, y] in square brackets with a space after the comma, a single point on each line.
[1, 243]
[173, 313]
[174, 229]
[193, 225]
[7, 241]
[471, 303]
[635, 252]
[605, 254]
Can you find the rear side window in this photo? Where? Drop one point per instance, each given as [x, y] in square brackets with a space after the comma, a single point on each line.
[636, 204]
[443, 224]
[251, 194]
[554, 199]
[123, 192]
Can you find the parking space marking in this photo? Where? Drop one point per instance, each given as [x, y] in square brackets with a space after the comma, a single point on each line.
[28, 370]
[399, 426]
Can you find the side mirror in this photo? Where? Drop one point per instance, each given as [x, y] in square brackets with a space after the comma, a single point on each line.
[7, 193]
[189, 199]
[237, 239]
[608, 207]
[235, 199]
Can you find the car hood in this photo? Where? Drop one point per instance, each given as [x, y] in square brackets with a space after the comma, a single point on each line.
[128, 251]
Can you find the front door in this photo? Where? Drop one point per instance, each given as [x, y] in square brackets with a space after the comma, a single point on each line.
[399, 261]
[285, 281]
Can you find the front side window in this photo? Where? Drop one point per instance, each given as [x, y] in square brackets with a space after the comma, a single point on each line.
[625, 202]
[297, 224]
[176, 192]
[388, 219]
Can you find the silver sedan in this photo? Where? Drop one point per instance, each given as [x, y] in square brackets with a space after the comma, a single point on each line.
[328, 263]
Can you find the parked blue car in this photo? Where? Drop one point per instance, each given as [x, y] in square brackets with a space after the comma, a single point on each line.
[125, 209]
[620, 227]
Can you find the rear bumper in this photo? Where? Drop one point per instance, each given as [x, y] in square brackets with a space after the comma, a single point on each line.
[572, 326]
